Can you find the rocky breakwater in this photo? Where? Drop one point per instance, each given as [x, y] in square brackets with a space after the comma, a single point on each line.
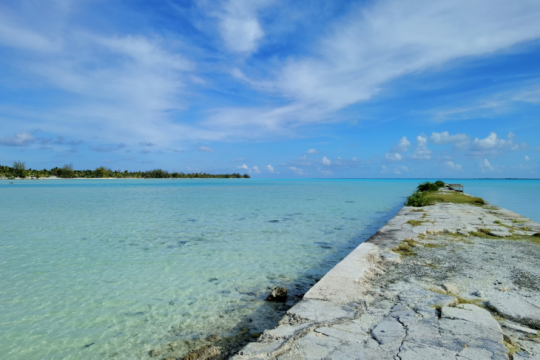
[446, 281]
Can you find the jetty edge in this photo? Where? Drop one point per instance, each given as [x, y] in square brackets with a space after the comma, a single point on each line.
[449, 280]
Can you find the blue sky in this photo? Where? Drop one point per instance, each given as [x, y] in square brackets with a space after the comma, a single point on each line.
[277, 89]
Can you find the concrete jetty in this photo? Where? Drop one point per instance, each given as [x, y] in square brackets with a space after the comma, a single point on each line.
[446, 281]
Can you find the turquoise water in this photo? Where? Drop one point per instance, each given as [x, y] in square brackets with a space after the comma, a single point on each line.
[520, 196]
[109, 269]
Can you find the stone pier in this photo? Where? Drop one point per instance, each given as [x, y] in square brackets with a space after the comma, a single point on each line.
[446, 281]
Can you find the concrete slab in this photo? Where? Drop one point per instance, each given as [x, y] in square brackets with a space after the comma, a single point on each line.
[321, 311]
[517, 310]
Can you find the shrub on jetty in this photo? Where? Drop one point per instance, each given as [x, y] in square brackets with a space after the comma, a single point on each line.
[439, 183]
[417, 199]
[428, 186]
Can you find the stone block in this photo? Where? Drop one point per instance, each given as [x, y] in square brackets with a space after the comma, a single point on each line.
[517, 310]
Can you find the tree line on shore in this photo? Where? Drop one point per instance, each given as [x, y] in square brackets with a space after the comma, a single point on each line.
[19, 170]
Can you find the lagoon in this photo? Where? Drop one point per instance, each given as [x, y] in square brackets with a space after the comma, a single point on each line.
[110, 269]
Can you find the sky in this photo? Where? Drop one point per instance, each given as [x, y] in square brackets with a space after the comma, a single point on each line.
[273, 88]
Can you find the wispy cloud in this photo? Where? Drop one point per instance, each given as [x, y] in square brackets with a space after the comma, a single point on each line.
[238, 26]
[19, 139]
[206, 149]
[452, 167]
[421, 152]
[107, 148]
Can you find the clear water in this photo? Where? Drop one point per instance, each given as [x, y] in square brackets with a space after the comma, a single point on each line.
[520, 196]
[129, 265]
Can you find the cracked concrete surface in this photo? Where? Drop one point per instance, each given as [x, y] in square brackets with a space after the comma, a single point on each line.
[377, 304]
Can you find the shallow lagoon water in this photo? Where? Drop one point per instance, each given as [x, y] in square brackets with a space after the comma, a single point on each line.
[109, 269]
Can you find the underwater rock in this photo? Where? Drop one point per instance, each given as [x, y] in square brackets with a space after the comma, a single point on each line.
[153, 353]
[278, 294]
[208, 352]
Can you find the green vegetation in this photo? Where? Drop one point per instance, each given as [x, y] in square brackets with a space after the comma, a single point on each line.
[511, 346]
[461, 301]
[486, 234]
[440, 183]
[421, 196]
[433, 245]
[67, 171]
[19, 169]
[416, 222]
[405, 247]
[428, 186]
[417, 199]
[454, 197]
[428, 194]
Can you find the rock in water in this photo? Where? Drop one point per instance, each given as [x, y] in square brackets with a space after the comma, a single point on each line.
[278, 294]
[208, 352]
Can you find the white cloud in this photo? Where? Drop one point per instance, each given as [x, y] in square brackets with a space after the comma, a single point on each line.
[297, 170]
[326, 161]
[490, 142]
[206, 149]
[344, 70]
[341, 70]
[403, 145]
[312, 151]
[238, 24]
[354, 158]
[132, 84]
[270, 168]
[256, 170]
[460, 140]
[492, 145]
[421, 151]
[243, 166]
[486, 166]
[393, 156]
[19, 139]
[451, 166]
[527, 158]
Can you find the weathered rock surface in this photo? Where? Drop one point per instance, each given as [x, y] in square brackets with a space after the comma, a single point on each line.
[376, 304]
[518, 310]
[451, 289]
